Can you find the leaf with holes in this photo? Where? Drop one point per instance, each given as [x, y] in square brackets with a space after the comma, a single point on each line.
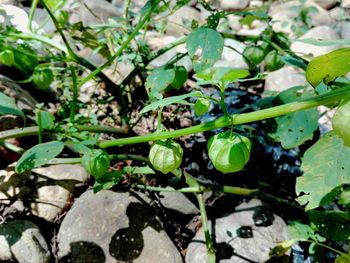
[205, 46]
[8, 106]
[334, 225]
[294, 129]
[329, 66]
[326, 168]
[159, 80]
[302, 232]
[38, 155]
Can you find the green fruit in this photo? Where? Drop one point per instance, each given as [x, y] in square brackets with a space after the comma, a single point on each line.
[42, 78]
[341, 122]
[273, 61]
[7, 58]
[281, 39]
[96, 163]
[201, 106]
[254, 54]
[229, 152]
[344, 197]
[166, 156]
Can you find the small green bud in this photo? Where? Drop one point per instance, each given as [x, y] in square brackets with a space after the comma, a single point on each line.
[201, 106]
[42, 77]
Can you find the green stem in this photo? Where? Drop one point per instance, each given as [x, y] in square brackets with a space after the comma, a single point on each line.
[235, 119]
[169, 189]
[239, 190]
[31, 14]
[12, 147]
[204, 219]
[75, 94]
[40, 128]
[143, 21]
[325, 246]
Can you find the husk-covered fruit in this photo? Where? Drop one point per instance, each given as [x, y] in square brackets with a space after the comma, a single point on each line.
[229, 152]
[166, 156]
[96, 163]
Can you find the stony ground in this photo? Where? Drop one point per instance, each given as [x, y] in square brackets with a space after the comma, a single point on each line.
[52, 215]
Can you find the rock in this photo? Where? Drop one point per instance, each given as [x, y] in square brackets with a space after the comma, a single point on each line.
[234, 4]
[345, 3]
[246, 235]
[337, 13]
[40, 16]
[178, 202]
[179, 23]
[284, 78]
[256, 29]
[233, 21]
[283, 16]
[321, 33]
[114, 227]
[15, 16]
[230, 58]
[46, 192]
[345, 30]
[22, 241]
[326, 4]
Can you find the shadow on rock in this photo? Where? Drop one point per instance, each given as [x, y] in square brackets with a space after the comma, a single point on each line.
[84, 252]
[127, 243]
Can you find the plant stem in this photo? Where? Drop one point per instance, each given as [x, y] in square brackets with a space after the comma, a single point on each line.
[204, 219]
[12, 147]
[75, 94]
[239, 190]
[235, 119]
[169, 189]
[40, 128]
[31, 14]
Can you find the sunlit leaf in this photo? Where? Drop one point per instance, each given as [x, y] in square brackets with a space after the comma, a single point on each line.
[8, 106]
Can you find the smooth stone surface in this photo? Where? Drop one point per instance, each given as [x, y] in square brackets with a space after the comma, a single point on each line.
[284, 78]
[114, 227]
[22, 241]
[326, 4]
[178, 202]
[345, 30]
[46, 192]
[234, 4]
[321, 33]
[14, 16]
[246, 235]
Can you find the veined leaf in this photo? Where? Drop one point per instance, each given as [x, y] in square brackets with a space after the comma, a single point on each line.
[296, 128]
[38, 155]
[205, 46]
[167, 101]
[302, 232]
[329, 66]
[8, 106]
[326, 167]
[158, 80]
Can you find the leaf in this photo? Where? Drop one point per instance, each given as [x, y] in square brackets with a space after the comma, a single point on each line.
[296, 128]
[302, 232]
[47, 120]
[334, 225]
[138, 170]
[299, 63]
[159, 79]
[329, 66]
[319, 42]
[326, 167]
[222, 75]
[8, 106]
[38, 155]
[205, 46]
[167, 101]
[180, 77]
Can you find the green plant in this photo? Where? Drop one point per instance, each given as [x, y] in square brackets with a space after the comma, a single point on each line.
[294, 114]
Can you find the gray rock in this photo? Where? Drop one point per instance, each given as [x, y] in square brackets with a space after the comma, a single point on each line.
[179, 202]
[345, 30]
[234, 4]
[22, 241]
[284, 78]
[247, 235]
[337, 14]
[14, 16]
[345, 3]
[40, 16]
[321, 33]
[114, 227]
[179, 22]
[46, 192]
[326, 4]
[231, 58]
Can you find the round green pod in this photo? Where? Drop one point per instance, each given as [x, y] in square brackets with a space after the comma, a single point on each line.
[254, 54]
[7, 57]
[42, 78]
[341, 122]
[273, 61]
[166, 156]
[96, 163]
[229, 152]
[201, 106]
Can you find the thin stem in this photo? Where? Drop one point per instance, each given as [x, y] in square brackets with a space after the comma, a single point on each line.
[325, 246]
[239, 190]
[40, 127]
[169, 189]
[75, 94]
[235, 119]
[204, 219]
[143, 21]
[12, 147]
[222, 102]
[31, 14]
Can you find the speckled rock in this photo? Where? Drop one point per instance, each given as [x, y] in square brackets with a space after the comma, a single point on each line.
[246, 235]
[22, 241]
[114, 227]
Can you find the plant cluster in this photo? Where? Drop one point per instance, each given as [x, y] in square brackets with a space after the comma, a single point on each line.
[42, 62]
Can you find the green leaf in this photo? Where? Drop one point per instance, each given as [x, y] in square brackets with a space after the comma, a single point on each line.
[139, 170]
[180, 77]
[38, 155]
[326, 167]
[205, 47]
[302, 232]
[329, 66]
[159, 80]
[167, 101]
[8, 106]
[334, 225]
[299, 63]
[319, 42]
[342, 259]
[47, 120]
[296, 128]
[222, 75]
